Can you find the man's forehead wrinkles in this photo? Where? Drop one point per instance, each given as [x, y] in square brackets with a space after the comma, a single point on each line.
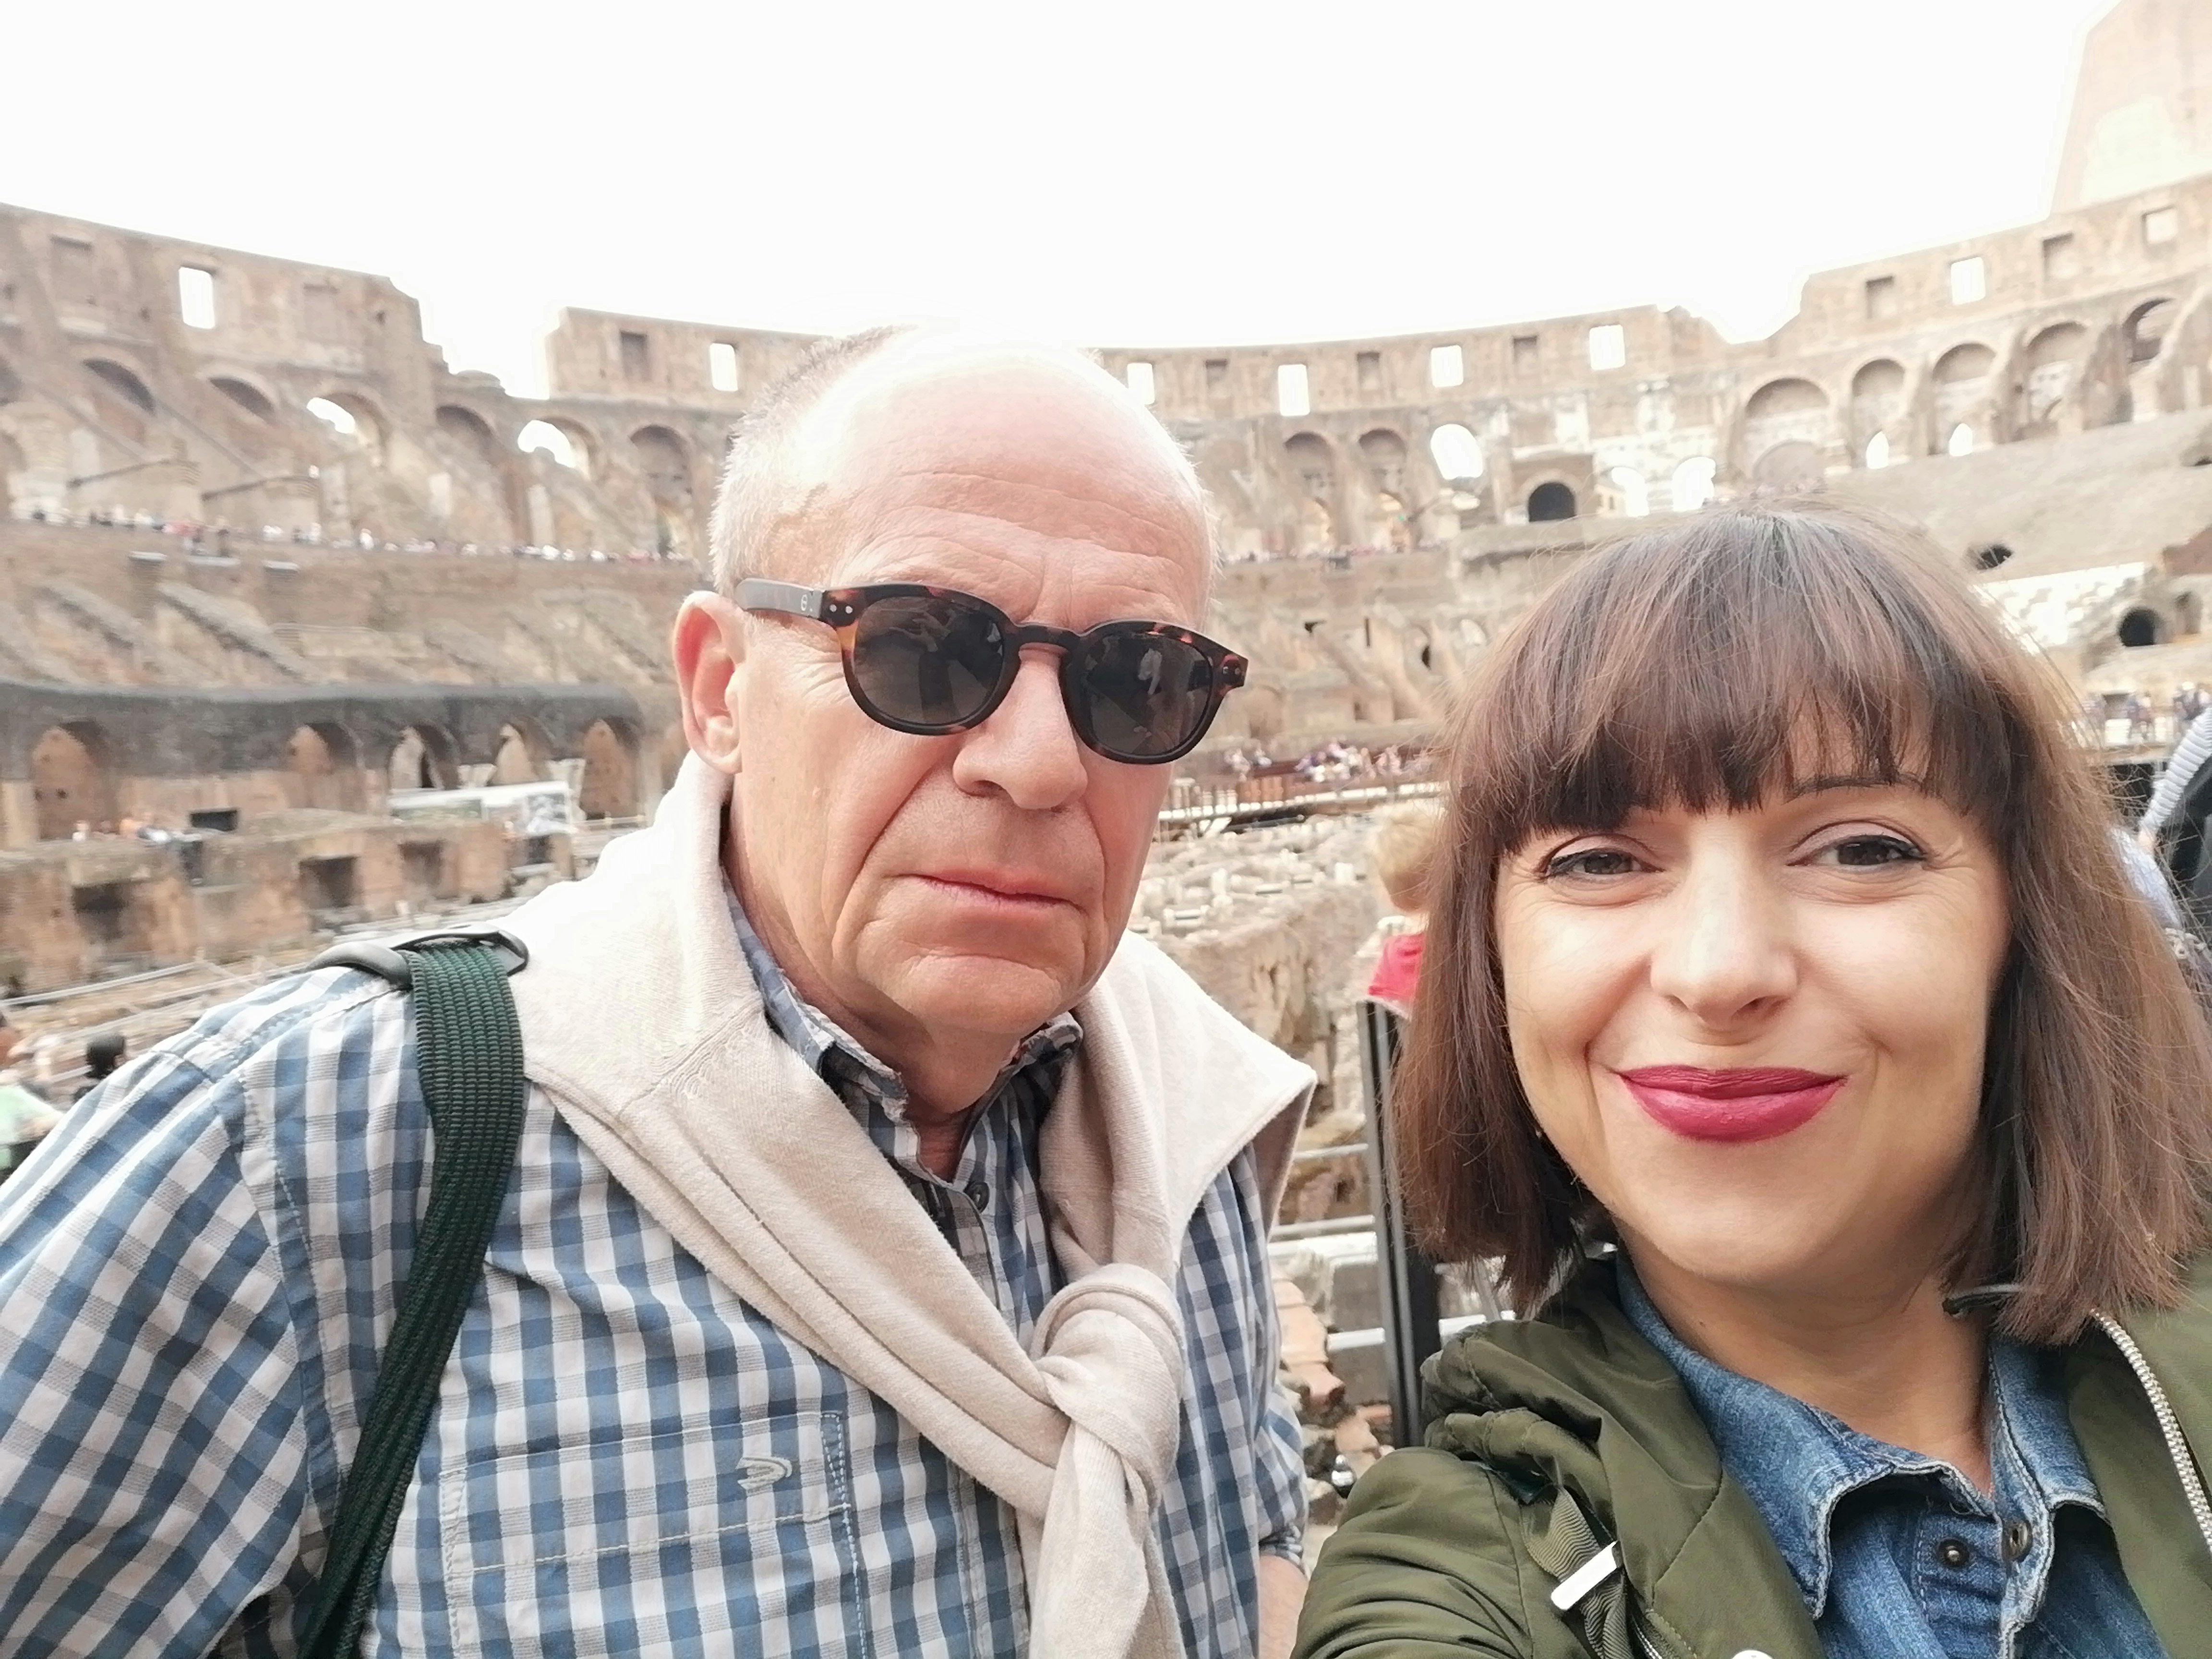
[917, 550]
[1103, 500]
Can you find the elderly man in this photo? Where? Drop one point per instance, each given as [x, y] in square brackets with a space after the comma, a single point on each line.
[884, 1271]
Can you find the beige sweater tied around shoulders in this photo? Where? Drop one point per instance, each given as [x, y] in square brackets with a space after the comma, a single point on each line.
[643, 1023]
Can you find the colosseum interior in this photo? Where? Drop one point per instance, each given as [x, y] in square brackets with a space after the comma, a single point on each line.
[266, 557]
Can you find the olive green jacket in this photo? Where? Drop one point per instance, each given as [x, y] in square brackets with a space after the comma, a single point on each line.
[1552, 1437]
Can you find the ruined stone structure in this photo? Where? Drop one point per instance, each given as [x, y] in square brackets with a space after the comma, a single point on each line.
[305, 506]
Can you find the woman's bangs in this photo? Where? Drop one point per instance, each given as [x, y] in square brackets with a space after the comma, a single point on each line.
[1755, 666]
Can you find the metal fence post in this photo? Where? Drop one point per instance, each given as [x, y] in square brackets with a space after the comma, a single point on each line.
[1405, 1276]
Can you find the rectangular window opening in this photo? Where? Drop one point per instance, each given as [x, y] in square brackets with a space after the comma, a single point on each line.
[721, 365]
[2162, 226]
[1447, 366]
[196, 296]
[1881, 298]
[1368, 367]
[1524, 351]
[636, 356]
[1292, 394]
[1139, 377]
[1970, 279]
[330, 884]
[1609, 346]
[1216, 375]
[2060, 261]
[75, 281]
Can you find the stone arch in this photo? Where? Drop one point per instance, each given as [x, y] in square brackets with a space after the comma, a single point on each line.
[1877, 404]
[665, 461]
[351, 416]
[1458, 453]
[471, 431]
[72, 780]
[422, 758]
[1691, 485]
[1626, 493]
[609, 787]
[563, 442]
[246, 395]
[2144, 332]
[1384, 452]
[1312, 461]
[2142, 626]
[1551, 501]
[325, 764]
[123, 382]
[524, 753]
[36, 478]
[1790, 411]
[1790, 468]
[2053, 368]
[1964, 381]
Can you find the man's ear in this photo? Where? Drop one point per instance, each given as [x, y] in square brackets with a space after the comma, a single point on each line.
[709, 645]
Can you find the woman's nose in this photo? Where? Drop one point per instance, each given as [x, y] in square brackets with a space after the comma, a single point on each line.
[1722, 953]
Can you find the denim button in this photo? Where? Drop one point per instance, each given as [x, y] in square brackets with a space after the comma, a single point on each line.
[1954, 1553]
[2018, 1536]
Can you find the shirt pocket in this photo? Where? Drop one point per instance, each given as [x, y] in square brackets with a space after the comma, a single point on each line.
[724, 1537]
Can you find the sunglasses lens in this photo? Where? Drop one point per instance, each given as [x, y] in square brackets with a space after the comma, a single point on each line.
[928, 659]
[1149, 694]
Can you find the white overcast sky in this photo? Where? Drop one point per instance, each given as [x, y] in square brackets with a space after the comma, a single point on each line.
[1141, 172]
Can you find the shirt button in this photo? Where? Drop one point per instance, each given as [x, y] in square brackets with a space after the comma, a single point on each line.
[1954, 1554]
[2018, 1536]
[978, 1194]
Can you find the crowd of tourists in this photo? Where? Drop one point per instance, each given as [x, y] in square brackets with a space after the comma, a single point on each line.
[841, 1236]
[221, 540]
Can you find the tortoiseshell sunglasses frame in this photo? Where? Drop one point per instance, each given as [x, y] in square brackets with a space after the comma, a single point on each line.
[839, 609]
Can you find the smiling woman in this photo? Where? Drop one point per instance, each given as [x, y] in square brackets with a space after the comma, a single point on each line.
[1789, 1029]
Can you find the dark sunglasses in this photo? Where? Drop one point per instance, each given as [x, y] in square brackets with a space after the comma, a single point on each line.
[931, 660]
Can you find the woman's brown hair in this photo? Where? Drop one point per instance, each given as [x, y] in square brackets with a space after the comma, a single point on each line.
[1740, 652]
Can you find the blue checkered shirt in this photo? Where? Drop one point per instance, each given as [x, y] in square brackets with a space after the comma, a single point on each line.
[197, 1273]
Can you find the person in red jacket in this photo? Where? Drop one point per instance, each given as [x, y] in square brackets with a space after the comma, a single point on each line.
[1403, 849]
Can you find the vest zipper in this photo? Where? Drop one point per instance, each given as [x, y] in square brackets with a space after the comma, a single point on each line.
[2177, 1447]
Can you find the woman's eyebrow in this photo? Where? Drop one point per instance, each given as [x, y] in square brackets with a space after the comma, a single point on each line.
[1815, 785]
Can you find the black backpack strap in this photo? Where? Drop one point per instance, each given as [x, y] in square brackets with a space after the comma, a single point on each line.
[469, 1047]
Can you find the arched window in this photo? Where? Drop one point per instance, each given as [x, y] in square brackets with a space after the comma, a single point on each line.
[544, 437]
[70, 782]
[2141, 627]
[609, 789]
[1550, 502]
[1692, 485]
[1634, 492]
[1962, 441]
[1457, 454]
[1877, 452]
[123, 382]
[248, 396]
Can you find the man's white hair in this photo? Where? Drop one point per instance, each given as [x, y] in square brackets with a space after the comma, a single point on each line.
[756, 495]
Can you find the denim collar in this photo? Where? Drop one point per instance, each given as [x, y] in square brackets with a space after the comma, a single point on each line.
[839, 1060]
[1797, 1461]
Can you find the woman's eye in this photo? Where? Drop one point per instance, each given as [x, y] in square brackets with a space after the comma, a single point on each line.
[1872, 852]
[1590, 861]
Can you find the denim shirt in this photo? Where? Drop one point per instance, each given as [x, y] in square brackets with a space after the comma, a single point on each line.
[1898, 1555]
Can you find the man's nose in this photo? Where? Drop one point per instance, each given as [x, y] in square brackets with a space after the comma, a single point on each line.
[1027, 750]
[1723, 953]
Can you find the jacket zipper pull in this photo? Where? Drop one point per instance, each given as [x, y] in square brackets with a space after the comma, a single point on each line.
[1584, 1579]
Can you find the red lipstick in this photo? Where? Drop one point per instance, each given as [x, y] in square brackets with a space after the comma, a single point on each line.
[1753, 1104]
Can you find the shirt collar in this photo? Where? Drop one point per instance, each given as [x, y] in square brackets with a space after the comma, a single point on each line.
[840, 1058]
[1797, 1462]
